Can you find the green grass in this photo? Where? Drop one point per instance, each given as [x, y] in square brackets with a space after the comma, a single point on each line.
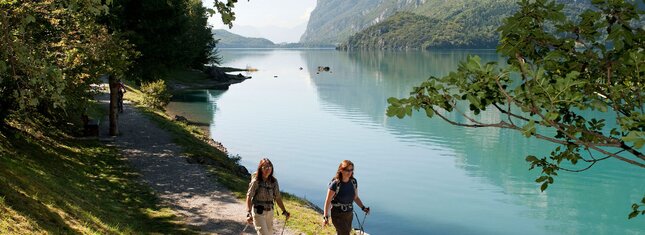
[304, 218]
[51, 183]
[54, 184]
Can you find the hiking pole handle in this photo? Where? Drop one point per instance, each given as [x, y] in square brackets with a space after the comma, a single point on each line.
[365, 209]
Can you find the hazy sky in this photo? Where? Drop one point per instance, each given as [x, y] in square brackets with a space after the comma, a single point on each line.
[276, 20]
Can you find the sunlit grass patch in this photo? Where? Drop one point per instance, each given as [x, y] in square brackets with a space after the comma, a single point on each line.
[60, 185]
[304, 217]
[12, 222]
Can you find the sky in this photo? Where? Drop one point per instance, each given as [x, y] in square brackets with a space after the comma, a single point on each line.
[276, 20]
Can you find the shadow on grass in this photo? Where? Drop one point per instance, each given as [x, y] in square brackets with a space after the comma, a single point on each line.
[78, 186]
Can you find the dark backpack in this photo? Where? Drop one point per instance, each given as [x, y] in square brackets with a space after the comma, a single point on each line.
[353, 180]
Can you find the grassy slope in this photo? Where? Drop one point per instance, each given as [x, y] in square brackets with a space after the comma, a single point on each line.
[192, 139]
[50, 183]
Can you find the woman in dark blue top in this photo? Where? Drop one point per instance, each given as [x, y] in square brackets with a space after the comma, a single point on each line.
[341, 195]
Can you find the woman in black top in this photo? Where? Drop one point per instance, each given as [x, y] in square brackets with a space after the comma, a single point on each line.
[342, 193]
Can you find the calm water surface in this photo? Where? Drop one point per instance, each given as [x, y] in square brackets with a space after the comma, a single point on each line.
[419, 175]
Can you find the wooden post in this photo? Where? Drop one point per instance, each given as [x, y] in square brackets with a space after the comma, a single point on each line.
[114, 115]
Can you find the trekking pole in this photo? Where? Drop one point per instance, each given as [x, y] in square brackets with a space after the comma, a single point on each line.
[284, 226]
[364, 217]
[246, 226]
[360, 227]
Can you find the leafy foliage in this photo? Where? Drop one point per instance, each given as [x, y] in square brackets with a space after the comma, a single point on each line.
[168, 34]
[557, 70]
[442, 24]
[454, 23]
[156, 94]
[636, 209]
[50, 51]
[406, 30]
[333, 21]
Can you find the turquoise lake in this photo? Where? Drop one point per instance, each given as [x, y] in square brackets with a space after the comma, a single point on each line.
[418, 175]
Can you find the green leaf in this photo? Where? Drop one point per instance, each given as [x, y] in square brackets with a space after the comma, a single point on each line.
[573, 75]
[636, 137]
[531, 159]
[33, 102]
[30, 19]
[391, 111]
[429, 112]
[474, 63]
[599, 105]
[529, 129]
[400, 113]
[541, 178]
[552, 116]
[544, 186]
[633, 214]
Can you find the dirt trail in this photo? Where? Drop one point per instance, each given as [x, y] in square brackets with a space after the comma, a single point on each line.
[187, 188]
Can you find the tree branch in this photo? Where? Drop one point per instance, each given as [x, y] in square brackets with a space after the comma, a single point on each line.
[501, 124]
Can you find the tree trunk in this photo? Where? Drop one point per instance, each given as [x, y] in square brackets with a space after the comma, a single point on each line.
[114, 116]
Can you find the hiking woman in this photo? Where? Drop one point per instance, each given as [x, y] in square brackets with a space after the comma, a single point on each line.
[120, 92]
[263, 190]
[341, 195]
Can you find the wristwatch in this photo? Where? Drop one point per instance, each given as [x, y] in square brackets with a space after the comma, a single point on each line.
[326, 218]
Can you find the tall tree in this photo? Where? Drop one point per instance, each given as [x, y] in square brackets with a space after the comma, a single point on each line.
[50, 51]
[168, 34]
[557, 69]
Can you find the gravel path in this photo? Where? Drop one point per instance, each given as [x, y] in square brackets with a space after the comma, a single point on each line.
[187, 188]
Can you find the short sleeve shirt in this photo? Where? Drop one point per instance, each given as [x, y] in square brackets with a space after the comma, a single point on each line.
[263, 192]
[346, 193]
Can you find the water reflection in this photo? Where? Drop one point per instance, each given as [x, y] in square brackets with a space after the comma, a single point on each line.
[198, 106]
[362, 81]
[420, 175]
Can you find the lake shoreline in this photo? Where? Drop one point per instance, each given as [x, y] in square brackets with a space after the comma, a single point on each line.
[212, 77]
[308, 212]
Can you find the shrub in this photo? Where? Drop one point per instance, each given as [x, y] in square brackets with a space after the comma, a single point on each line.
[156, 94]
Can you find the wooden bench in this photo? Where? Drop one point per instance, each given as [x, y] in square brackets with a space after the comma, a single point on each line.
[90, 126]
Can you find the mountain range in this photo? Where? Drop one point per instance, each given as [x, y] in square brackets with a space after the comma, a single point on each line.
[231, 40]
[401, 24]
[405, 24]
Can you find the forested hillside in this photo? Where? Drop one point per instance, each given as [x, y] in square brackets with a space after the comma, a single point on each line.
[444, 24]
[227, 39]
[425, 23]
[333, 21]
